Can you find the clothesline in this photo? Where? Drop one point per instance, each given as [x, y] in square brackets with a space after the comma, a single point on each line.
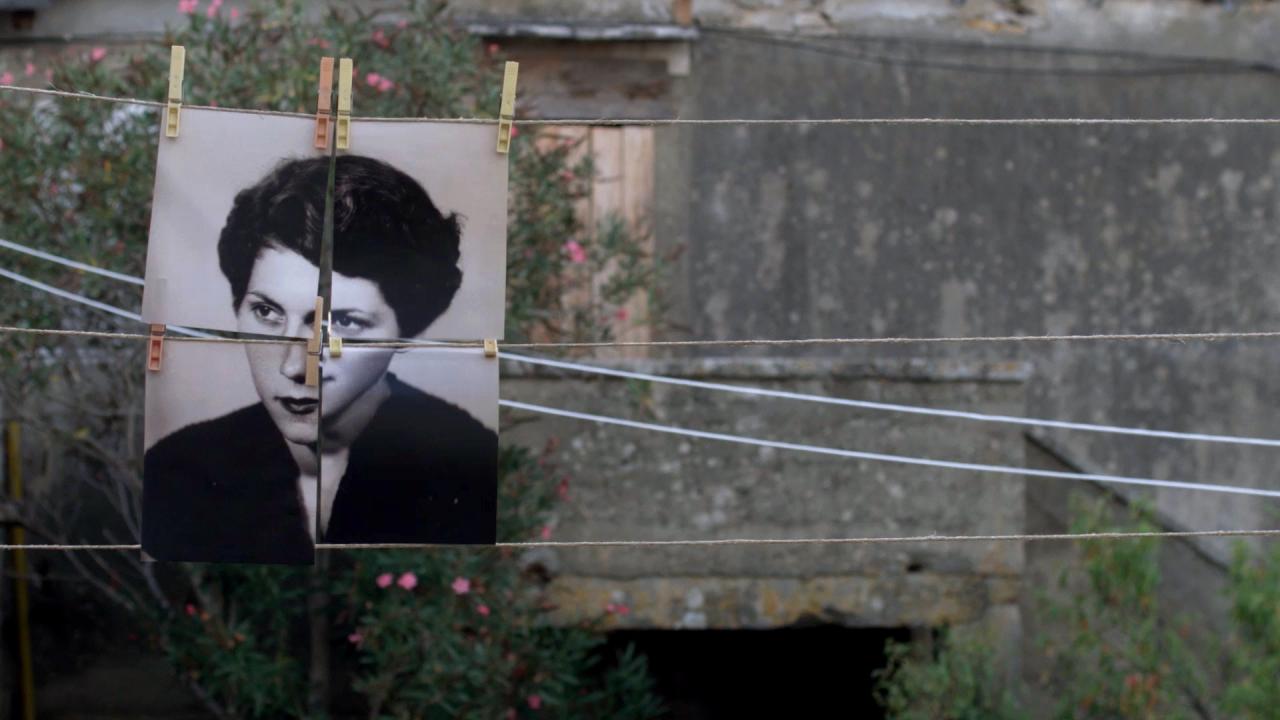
[661, 122]
[598, 370]
[821, 450]
[724, 542]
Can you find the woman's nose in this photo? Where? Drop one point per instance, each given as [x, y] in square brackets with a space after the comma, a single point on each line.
[294, 363]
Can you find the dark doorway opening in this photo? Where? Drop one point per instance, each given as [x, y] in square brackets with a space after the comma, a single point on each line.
[791, 672]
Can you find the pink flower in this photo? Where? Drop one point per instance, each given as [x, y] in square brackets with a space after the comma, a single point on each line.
[30, 69]
[408, 581]
[355, 638]
[577, 255]
[6, 78]
[461, 586]
[385, 85]
[214, 6]
[535, 701]
[380, 39]
[384, 580]
[191, 609]
[402, 24]
[372, 79]
[188, 7]
[562, 489]
[492, 49]
[546, 532]
[97, 54]
[622, 314]
[515, 131]
[483, 610]
[235, 13]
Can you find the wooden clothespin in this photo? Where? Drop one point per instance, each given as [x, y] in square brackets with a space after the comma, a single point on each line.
[335, 342]
[343, 134]
[155, 348]
[682, 12]
[314, 344]
[173, 110]
[507, 112]
[324, 103]
[491, 348]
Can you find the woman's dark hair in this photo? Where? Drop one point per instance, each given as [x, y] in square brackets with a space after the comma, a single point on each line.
[385, 229]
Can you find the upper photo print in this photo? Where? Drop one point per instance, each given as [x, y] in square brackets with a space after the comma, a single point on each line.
[421, 209]
[419, 225]
[218, 195]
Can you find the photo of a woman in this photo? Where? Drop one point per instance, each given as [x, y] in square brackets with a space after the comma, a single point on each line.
[364, 457]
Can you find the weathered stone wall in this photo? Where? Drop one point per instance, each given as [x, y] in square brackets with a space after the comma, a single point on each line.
[1191, 27]
[807, 231]
[813, 231]
[631, 484]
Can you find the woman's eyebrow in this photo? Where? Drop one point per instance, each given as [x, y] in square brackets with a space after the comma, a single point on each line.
[266, 299]
[354, 311]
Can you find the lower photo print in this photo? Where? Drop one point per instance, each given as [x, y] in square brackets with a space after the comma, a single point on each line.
[246, 463]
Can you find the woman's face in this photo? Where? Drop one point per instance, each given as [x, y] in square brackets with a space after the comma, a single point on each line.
[280, 300]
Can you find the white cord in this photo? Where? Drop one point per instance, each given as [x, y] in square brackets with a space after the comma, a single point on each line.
[104, 307]
[856, 454]
[131, 279]
[722, 387]
[891, 407]
[899, 459]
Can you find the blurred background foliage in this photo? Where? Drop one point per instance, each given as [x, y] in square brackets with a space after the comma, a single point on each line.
[1114, 652]
[445, 633]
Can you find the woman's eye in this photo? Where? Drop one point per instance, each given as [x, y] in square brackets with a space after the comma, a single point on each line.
[265, 312]
[348, 322]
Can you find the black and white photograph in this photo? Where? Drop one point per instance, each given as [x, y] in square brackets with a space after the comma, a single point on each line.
[238, 193]
[246, 463]
[209, 181]
[434, 180]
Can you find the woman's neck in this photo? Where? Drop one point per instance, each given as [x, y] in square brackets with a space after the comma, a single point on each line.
[337, 435]
[339, 431]
[317, 497]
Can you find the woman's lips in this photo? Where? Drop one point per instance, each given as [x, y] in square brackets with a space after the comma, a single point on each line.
[298, 406]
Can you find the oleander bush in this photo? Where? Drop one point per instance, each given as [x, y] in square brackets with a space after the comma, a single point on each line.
[1113, 653]
[445, 633]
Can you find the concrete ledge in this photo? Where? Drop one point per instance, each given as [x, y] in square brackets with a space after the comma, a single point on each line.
[737, 368]
[569, 30]
[697, 603]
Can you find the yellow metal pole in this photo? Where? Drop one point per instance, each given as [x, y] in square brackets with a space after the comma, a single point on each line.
[18, 536]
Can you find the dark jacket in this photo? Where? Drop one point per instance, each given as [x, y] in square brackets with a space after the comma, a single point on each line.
[226, 490]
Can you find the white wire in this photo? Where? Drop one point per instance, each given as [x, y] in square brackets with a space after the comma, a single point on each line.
[722, 387]
[899, 459]
[702, 434]
[892, 407]
[132, 279]
[104, 307]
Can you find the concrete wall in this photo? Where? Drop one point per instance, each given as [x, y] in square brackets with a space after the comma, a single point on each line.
[1244, 28]
[636, 485]
[804, 231]
[941, 230]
